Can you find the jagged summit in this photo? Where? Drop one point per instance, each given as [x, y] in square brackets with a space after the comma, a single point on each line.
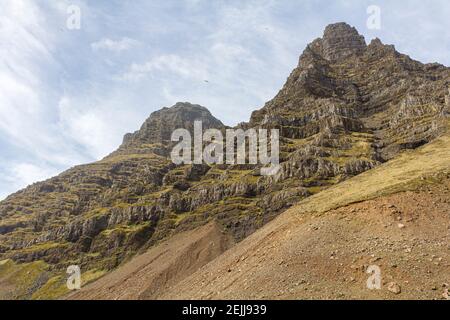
[339, 30]
[157, 129]
[343, 85]
[341, 40]
[344, 110]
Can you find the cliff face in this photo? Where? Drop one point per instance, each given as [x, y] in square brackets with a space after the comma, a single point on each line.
[343, 85]
[158, 128]
[346, 108]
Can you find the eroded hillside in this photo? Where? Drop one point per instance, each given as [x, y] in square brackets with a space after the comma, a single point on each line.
[396, 217]
[346, 108]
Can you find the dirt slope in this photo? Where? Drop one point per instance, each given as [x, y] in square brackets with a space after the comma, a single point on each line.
[396, 217]
[326, 257]
[346, 108]
[322, 247]
[147, 275]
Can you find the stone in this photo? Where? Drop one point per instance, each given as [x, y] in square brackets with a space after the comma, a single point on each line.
[446, 294]
[394, 288]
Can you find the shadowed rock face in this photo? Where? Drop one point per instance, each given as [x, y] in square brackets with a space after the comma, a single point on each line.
[344, 109]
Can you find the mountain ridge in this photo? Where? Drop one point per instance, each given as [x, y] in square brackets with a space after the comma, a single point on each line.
[345, 109]
[392, 216]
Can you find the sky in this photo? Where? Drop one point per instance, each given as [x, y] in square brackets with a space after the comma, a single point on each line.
[75, 76]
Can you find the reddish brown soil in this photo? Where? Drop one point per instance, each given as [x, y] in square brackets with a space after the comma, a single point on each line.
[303, 256]
[149, 274]
[326, 256]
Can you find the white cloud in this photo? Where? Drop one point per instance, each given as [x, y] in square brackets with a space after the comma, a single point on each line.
[114, 45]
[96, 123]
[171, 63]
[23, 59]
[27, 67]
[26, 173]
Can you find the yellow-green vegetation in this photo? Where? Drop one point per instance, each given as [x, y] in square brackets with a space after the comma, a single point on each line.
[121, 205]
[314, 190]
[96, 213]
[93, 254]
[125, 157]
[294, 144]
[56, 286]
[232, 177]
[53, 289]
[5, 267]
[91, 275]
[361, 145]
[317, 113]
[361, 148]
[42, 247]
[17, 279]
[408, 171]
[125, 228]
[180, 217]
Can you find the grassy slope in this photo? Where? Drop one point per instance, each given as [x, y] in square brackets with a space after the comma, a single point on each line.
[276, 257]
[19, 278]
[408, 171]
[314, 250]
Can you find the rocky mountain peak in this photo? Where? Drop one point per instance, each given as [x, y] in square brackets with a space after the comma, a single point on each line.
[340, 85]
[341, 40]
[160, 125]
[344, 110]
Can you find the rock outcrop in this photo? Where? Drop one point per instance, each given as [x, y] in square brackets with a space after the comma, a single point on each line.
[346, 108]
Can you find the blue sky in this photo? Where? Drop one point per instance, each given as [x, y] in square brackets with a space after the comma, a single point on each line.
[67, 97]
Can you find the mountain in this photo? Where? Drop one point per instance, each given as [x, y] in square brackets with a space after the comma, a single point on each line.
[158, 128]
[394, 217]
[347, 108]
